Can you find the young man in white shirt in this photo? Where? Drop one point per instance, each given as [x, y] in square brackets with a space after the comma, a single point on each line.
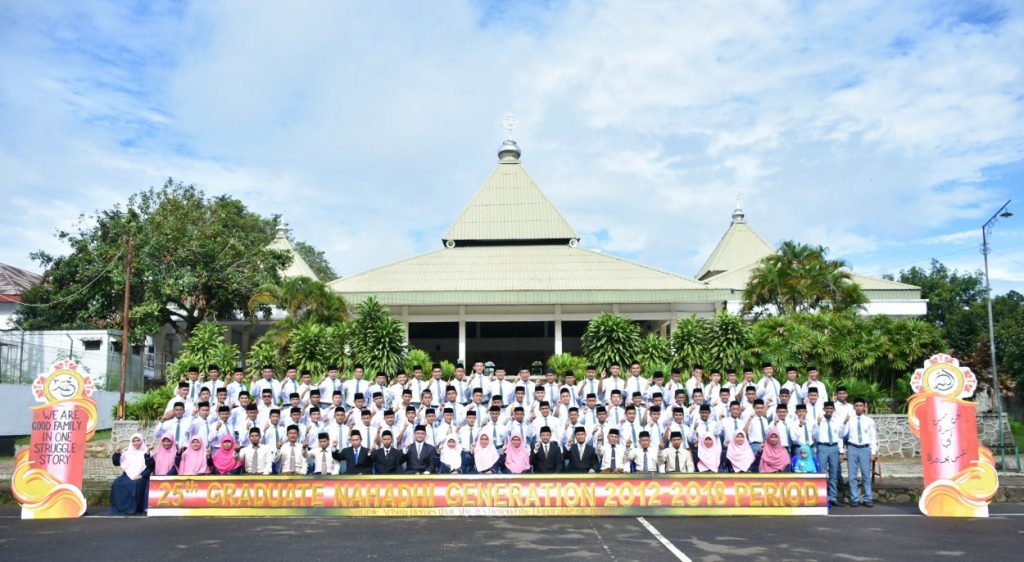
[674, 383]
[814, 382]
[495, 427]
[221, 426]
[289, 385]
[268, 382]
[501, 386]
[644, 455]
[611, 383]
[478, 379]
[614, 459]
[695, 381]
[791, 384]
[712, 387]
[589, 385]
[236, 386]
[291, 456]
[635, 382]
[861, 451]
[325, 457]
[256, 458]
[757, 427]
[181, 396]
[768, 388]
[273, 430]
[734, 423]
[676, 457]
[355, 386]
[829, 433]
[201, 423]
[177, 426]
[631, 428]
[305, 386]
[330, 382]
[213, 382]
[544, 418]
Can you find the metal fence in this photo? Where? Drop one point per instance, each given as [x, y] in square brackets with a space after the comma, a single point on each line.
[21, 362]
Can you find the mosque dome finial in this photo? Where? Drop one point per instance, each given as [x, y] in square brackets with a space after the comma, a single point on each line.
[509, 151]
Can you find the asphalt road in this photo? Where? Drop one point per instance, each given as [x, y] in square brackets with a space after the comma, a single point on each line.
[884, 533]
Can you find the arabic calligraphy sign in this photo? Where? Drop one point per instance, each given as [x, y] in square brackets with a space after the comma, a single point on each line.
[959, 473]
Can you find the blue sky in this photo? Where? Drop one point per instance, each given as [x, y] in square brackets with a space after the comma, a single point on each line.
[888, 132]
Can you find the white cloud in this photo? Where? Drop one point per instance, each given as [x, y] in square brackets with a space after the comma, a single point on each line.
[867, 127]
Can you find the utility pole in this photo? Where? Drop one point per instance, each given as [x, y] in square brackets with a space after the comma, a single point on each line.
[124, 328]
[986, 229]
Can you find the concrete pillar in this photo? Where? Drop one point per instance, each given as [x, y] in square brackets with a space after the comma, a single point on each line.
[462, 333]
[558, 329]
[405, 322]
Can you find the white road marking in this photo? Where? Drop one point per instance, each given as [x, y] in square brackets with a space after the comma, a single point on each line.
[665, 542]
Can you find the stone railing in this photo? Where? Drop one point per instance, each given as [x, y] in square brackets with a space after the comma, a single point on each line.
[896, 440]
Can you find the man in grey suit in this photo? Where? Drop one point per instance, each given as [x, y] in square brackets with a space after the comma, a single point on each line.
[419, 459]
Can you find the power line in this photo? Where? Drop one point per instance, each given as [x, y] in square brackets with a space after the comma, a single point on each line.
[881, 269]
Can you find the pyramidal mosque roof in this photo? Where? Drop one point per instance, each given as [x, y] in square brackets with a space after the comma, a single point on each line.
[298, 266]
[741, 250]
[511, 245]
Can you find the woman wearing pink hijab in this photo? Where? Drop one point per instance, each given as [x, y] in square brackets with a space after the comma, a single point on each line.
[225, 459]
[774, 457]
[166, 457]
[709, 454]
[485, 455]
[517, 457]
[740, 455]
[193, 459]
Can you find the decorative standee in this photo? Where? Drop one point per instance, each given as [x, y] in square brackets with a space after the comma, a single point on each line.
[959, 473]
[47, 479]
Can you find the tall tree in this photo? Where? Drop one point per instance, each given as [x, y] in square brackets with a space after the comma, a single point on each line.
[316, 260]
[801, 278]
[196, 257]
[953, 302]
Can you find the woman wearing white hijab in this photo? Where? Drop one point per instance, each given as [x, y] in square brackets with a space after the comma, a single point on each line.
[129, 493]
[451, 456]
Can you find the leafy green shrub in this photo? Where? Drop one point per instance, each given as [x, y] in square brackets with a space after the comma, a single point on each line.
[690, 341]
[562, 362]
[417, 356]
[377, 339]
[206, 346]
[653, 349]
[263, 353]
[610, 338]
[148, 407]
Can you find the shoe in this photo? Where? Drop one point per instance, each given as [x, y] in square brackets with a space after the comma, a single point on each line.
[853, 504]
[869, 504]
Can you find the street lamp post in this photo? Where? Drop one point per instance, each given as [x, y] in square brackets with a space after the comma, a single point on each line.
[985, 231]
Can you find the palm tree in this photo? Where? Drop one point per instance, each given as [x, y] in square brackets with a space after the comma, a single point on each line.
[800, 278]
[303, 300]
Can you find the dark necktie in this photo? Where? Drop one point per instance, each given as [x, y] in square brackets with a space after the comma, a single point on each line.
[255, 455]
[355, 456]
[613, 457]
[679, 465]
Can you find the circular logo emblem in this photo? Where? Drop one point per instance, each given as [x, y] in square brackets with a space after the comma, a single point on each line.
[64, 382]
[942, 374]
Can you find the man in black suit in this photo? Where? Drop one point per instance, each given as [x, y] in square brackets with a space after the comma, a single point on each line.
[419, 459]
[386, 458]
[546, 457]
[582, 456]
[357, 457]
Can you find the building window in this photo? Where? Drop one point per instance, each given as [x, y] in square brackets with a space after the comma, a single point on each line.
[92, 345]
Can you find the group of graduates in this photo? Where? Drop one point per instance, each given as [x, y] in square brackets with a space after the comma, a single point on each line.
[485, 423]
